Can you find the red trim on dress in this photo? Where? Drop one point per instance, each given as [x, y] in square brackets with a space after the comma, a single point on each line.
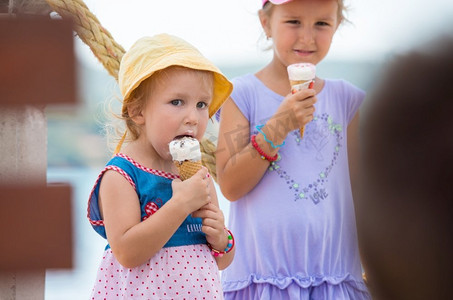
[152, 171]
[127, 177]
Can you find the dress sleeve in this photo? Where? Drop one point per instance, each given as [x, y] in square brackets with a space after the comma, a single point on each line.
[355, 98]
[241, 95]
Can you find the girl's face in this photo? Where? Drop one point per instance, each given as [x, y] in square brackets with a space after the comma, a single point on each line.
[177, 106]
[302, 30]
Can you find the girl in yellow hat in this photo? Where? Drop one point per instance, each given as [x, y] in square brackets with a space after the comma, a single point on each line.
[166, 237]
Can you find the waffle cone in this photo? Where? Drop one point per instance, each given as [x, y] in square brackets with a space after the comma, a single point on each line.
[295, 86]
[301, 131]
[187, 168]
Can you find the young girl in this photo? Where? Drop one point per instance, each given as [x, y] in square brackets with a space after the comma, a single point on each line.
[166, 238]
[292, 193]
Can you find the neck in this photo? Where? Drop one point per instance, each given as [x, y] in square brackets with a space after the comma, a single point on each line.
[275, 77]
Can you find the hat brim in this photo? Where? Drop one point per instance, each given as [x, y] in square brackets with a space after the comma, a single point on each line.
[183, 56]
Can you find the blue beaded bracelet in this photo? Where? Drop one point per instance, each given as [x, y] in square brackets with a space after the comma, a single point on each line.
[258, 127]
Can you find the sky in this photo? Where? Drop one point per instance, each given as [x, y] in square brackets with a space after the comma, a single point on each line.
[228, 32]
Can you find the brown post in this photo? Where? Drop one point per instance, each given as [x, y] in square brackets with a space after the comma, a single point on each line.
[37, 68]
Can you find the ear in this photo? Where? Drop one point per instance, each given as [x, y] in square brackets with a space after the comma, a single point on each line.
[264, 19]
[136, 114]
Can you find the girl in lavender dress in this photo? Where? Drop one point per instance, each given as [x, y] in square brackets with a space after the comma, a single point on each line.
[291, 196]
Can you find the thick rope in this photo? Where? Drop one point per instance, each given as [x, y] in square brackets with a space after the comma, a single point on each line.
[208, 150]
[91, 32]
[109, 53]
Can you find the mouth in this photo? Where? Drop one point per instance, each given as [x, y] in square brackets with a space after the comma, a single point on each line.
[303, 52]
[182, 136]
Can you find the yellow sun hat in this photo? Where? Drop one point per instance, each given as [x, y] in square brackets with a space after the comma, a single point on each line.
[151, 54]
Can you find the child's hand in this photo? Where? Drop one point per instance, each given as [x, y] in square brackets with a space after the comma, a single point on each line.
[193, 193]
[297, 109]
[213, 225]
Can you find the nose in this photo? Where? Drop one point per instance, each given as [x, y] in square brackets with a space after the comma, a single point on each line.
[306, 34]
[191, 116]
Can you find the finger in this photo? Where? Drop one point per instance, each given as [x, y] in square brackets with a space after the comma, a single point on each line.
[304, 94]
[202, 173]
[209, 231]
[207, 207]
[211, 207]
[206, 212]
[212, 227]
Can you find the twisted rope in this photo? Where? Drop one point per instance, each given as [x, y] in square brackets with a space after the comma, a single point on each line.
[208, 150]
[91, 32]
[109, 53]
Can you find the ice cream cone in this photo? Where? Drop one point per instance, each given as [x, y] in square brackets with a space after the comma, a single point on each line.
[301, 76]
[186, 156]
[297, 85]
[187, 169]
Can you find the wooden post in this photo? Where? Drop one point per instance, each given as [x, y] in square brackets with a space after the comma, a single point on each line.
[36, 68]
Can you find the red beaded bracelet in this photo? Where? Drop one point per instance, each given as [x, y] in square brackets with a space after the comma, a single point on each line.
[261, 152]
[229, 247]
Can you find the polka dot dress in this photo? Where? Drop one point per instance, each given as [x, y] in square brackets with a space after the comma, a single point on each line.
[185, 272]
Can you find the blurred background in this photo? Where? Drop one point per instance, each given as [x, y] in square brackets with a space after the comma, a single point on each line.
[229, 34]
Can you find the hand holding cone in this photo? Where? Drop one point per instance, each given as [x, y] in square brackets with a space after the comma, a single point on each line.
[301, 76]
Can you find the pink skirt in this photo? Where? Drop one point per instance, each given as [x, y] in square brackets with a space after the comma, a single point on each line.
[185, 272]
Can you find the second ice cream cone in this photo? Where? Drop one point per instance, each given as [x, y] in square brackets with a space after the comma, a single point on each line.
[301, 131]
[301, 76]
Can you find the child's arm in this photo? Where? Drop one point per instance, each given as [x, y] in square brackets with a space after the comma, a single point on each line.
[133, 242]
[239, 166]
[239, 169]
[214, 228]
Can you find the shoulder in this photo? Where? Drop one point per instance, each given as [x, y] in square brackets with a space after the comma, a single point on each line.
[122, 164]
[243, 84]
[120, 160]
[243, 79]
[344, 96]
[344, 88]
[244, 92]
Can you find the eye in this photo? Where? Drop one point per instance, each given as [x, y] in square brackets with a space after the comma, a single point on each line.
[293, 22]
[202, 105]
[176, 102]
[322, 23]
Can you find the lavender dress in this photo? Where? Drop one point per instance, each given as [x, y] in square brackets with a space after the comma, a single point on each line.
[295, 231]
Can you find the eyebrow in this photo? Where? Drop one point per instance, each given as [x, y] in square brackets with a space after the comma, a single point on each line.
[324, 18]
[204, 97]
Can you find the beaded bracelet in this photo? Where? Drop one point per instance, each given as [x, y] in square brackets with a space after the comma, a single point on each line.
[261, 152]
[258, 127]
[229, 247]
